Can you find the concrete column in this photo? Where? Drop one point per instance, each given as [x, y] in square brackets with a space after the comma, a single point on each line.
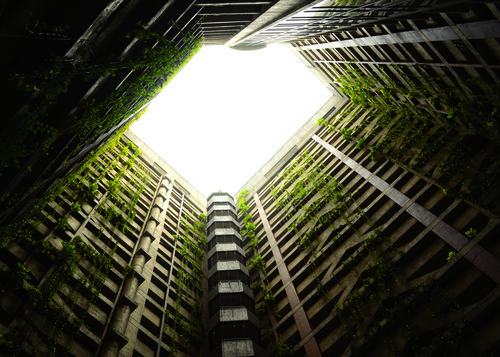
[226, 314]
[145, 243]
[131, 285]
[300, 317]
[474, 253]
[137, 266]
[121, 317]
[155, 212]
[170, 274]
[115, 338]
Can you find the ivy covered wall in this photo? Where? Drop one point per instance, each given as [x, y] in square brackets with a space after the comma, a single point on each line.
[72, 76]
[114, 236]
[355, 255]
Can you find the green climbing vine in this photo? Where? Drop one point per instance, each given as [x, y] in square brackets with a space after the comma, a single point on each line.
[186, 329]
[249, 231]
[258, 265]
[408, 115]
[302, 180]
[323, 215]
[85, 187]
[118, 205]
[54, 300]
[62, 297]
[153, 69]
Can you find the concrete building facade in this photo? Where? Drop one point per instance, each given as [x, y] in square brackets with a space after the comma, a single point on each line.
[233, 328]
[327, 253]
[374, 233]
[363, 257]
[73, 74]
[114, 265]
[359, 223]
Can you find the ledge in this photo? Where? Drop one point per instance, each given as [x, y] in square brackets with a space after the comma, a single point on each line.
[219, 197]
[223, 219]
[127, 300]
[226, 247]
[226, 314]
[237, 348]
[230, 287]
[116, 335]
[224, 232]
[139, 277]
[225, 266]
[144, 253]
[221, 208]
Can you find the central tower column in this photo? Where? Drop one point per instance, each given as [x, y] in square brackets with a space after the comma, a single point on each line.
[233, 327]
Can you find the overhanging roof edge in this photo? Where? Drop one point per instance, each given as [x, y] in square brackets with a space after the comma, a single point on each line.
[277, 13]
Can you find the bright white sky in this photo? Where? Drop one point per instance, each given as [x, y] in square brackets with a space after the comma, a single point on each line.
[227, 112]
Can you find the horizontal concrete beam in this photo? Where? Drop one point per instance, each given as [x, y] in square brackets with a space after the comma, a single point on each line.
[226, 314]
[223, 219]
[231, 3]
[230, 287]
[226, 247]
[227, 207]
[230, 10]
[227, 266]
[275, 14]
[475, 30]
[224, 232]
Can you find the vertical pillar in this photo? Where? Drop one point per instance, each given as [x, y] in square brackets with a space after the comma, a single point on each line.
[480, 257]
[115, 338]
[233, 327]
[170, 273]
[303, 325]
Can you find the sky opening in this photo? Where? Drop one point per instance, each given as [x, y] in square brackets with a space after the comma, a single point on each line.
[227, 112]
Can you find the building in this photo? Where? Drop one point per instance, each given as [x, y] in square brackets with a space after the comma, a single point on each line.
[371, 234]
[363, 257]
[437, 72]
[75, 74]
[327, 252]
[358, 225]
[233, 328]
[65, 68]
[75, 285]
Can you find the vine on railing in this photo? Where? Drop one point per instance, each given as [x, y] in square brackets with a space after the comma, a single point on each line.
[323, 216]
[22, 230]
[189, 292]
[156, 67]
[67, 291]
[413, 119]
[258, 264]
[56, 301]
[118, 205]
[302, 180]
